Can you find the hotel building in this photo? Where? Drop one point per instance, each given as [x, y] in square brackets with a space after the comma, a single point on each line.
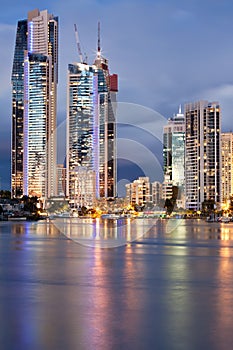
[34, 99]
[202, 154]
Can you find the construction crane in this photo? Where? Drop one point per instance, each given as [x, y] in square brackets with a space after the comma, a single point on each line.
[78, 44]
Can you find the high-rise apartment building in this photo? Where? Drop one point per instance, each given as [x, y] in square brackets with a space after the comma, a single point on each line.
[61, 180]
[139, 191]
[156, 188]
[227, 166]
[202, 154]
[34, 99]
[91, 128]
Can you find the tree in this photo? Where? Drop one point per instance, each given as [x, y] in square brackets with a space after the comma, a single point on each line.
[30, 204]
[5, 194]
[171, 202]
[231, 204]
[208, 206]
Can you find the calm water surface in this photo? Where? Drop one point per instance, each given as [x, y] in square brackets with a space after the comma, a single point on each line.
[170, 289]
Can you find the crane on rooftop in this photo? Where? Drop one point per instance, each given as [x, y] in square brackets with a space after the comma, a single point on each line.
[78, 45]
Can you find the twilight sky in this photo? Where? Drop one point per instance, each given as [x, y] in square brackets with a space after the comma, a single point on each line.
[166, 53]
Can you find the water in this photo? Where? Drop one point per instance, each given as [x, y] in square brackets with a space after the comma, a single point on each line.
[171, 289]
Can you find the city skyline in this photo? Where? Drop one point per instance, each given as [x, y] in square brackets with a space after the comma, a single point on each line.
[161, 32]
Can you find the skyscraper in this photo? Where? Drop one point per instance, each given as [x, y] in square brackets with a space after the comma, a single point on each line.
[82, 126]
[17, 80]
[227, 166]
[34, 98]
[91, 129]
[107, 90]
[173, 157]
[173, 148]
[202, 157]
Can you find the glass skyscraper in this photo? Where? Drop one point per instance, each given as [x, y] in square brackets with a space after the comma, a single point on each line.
[17, 80]
[91, 129]
[173, 156]
[107, 90]
[82, 125]
[34, 98]
[173, 148]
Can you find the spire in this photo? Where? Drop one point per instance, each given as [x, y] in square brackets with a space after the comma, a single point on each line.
[100, 61]
[98, 49]
[180, 112]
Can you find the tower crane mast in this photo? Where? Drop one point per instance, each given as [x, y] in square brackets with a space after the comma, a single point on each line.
[78, 44]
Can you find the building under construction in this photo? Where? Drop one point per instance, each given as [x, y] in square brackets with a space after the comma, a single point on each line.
[91, 126]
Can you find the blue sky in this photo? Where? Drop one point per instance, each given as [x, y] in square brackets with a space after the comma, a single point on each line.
[166, 53]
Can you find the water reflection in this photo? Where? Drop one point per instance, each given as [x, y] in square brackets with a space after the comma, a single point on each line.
[170, 290]
[103, 233]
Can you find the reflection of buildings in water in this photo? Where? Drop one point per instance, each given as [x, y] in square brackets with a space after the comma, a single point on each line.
[225, 234]
[107, 302]
[45, 228]
[211, 231]
[34, 227]
[112, 231]
[224, 296]
[18, 228]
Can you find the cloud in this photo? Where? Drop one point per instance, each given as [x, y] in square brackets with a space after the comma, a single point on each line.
[182, 15]
[224, 95]
[7, 46]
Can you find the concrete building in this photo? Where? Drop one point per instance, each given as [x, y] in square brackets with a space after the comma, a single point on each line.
[202, 154]
[61, 180]
[139, 191]
[156, 192]
[227, 166]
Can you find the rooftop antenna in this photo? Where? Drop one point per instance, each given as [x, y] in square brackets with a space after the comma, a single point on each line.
[99, 49]
[85, 57]
[78, 44]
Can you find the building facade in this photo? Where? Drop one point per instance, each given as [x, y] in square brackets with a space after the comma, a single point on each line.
[227, 166]
[34, 99]
[61, 180]
[139, 191]
[174, 156]
[17, 82]
[202, 154]
[156, 194]
[91, 127]
[82, 125]
[173, 148]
